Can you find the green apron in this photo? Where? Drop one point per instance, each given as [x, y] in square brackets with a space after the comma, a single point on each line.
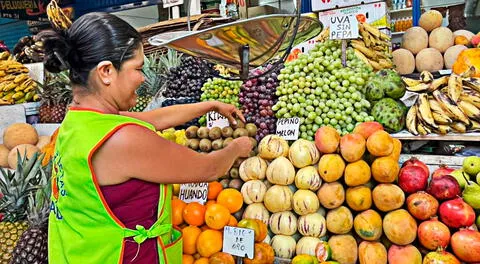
[82, 228]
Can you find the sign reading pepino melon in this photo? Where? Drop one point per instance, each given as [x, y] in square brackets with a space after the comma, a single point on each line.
[288, 128]
[343, 27]
[194, 192]
[238, 241]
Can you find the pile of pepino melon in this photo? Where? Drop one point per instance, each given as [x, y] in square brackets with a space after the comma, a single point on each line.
[429, 46]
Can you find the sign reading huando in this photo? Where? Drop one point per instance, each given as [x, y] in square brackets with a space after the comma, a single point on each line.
[194, 192]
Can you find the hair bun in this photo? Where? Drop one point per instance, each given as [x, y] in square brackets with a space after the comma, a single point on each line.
[57, 49]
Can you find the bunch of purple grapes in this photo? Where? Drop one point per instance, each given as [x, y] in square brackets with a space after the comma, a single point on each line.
[257, 96]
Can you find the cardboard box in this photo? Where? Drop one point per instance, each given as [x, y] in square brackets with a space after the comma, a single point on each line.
[375, 14]
[321, 5]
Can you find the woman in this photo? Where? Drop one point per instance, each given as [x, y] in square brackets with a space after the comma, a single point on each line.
[107, 206]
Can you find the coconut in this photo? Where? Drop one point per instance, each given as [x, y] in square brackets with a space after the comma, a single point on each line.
[24, 149]
[19, 133]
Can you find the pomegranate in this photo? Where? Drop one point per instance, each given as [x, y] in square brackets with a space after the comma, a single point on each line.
[422, 205]
[440, 257]
[442, 170]
[456, 213]
[466, 245]
[416, 162]
[412, 179]
[433, 234]
[444, 187]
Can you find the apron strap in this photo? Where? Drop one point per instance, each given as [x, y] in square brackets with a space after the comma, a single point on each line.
[140, 234]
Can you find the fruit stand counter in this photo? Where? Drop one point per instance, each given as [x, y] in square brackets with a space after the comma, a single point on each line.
[405, 135]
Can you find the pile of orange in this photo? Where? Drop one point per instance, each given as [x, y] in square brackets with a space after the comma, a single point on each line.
[202, 225]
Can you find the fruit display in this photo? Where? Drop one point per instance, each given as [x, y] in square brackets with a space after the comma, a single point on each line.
[56, 95]
[28, 50]
[446, 104]
[346, 199]
[16, 86]
[431, 47]
[257, 97]
[187, 78]
[320, 91]
[373, 47]
[222, 90]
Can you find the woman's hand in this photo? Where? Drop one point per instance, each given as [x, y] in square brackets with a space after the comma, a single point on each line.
[229, 111]
[244, 146]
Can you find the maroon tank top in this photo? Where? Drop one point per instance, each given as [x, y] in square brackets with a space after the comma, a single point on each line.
[135, 202]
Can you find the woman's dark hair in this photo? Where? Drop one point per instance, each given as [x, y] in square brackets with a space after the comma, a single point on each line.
[93, 38]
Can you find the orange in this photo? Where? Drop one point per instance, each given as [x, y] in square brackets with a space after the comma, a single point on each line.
[201, 261]
[217, 216]
[214, 188]
[187, 259]
[194, 214]
[230, 198]
[190, 236]
[210, 202]
[232, 221]
[209, 242]
[177, 211]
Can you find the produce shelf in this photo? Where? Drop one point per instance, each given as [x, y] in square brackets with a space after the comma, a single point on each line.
[405, 135]
[435, 160]
[398, 33]
[393, 11]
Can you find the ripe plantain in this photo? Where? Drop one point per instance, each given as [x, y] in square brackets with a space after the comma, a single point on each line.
[411, 120]
[470, 110]
[422, 129]
[455, 87]
[443, 129]
[473, 83]
[409, 82]
[422, 87]
[448, 105]
[459, 127]
[473, 99]
[475, 126]
[424, 110]
[426, 77]
[437, 83]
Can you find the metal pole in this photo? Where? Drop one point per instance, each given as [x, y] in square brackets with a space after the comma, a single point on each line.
[416, 11]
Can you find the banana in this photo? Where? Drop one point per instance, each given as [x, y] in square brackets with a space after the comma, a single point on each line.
[422, 129]
[9, 86]
[366, 51]
[362, 57]
[424, 110]
[20, 78]
[475, 126]
[29, 95]
[443, 129]
[455, 87]
[449, 106]
[437, 83]
[384, 37]
[8, 96]
[385, 63]
[18, 95]
[371, 29]
[473, 83]
[20, 101]
[470, 110]
[2, 73]
[409, 82]
[36, 97]
[441, 119]
[426, 77]
[422, 87]
[459, 127]
[472, 99]
[375, 65]
[4, 102]
[411, 120]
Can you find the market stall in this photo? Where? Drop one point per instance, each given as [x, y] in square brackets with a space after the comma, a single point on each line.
[363, 152]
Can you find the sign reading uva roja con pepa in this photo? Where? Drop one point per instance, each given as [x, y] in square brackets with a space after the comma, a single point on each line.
[193, 192]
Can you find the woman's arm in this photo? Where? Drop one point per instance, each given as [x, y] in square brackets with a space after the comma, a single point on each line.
[136, 152]
[175, 115]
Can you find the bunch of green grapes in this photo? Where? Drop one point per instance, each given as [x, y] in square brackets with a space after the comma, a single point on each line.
[218, 89]
[319, 90]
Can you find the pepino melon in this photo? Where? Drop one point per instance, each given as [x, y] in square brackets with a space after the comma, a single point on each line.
[429, 59]
[430, 20]
[404, 61]
[441, 39]
[415, 39]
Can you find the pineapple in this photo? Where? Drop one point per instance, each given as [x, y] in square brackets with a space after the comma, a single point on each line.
[32, 247]
[154, 68]
[16, 186]
[56, 94]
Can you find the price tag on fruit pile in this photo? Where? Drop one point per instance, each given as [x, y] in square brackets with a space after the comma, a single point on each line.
[238, 241]
[215, 119]
[288, 128]
[343, 27]
[193, 192]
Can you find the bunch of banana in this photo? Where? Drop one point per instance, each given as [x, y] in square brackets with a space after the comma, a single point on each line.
[447, 104]
[57, 17]
[4, 55]
[16, 86]
[373, 47]
[225, 71]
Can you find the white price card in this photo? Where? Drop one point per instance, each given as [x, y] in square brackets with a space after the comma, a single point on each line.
[343, 27]
[193, 192]
[215, 119]
[288, 128]
[238, 241]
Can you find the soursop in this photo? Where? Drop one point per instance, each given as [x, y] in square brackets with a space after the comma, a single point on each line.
[390, 113]
[375, 90]
[385, 83]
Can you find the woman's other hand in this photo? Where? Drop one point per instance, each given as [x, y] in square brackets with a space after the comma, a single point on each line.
[229, 111]
[244, 146]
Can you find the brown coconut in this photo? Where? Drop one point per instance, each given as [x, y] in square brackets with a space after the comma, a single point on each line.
[415, 39]
[19, 133]
[429, 59]
[441, 39]
[4, 156]
[27, 149]
[430, 20]
[404, 61]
